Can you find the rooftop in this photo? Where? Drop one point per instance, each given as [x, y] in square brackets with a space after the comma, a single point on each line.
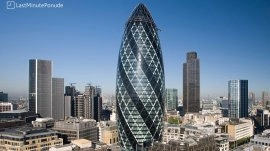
[22, 132]
[15, 111]
[44, 119]
[81, 141]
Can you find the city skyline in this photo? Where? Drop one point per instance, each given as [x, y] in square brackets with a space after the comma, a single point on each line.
[232, 39]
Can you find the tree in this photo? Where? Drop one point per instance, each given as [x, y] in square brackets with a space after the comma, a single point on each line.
[173, 120]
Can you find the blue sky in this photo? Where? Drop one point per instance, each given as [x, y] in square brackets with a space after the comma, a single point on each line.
[232, 39]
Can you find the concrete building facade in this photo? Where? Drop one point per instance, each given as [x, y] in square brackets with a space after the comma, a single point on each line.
[244, 128]
[74, 128]
[58, 104]
[28, 139]
[109, 132]
[191, 83]
[6, 106]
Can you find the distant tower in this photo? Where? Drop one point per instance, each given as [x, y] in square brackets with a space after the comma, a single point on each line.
[265, 98]
[3, 97]
[79, 106]
[67, 109]
[171, 99]
[70, 94]
[58, 104]
[251, 98]
[191, 83]
[89, 94]
[251, 101]
[97, 107]
[98, 91]
[40, 87]
[140, 84]
[238, 98]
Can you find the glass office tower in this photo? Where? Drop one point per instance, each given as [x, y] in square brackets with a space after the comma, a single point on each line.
[40, 87]
[140, 82]
[238, 98]
[171, 99]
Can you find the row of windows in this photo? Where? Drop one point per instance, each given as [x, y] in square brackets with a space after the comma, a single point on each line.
[260, 143]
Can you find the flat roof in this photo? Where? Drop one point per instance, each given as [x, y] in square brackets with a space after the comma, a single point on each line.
[15, 111]
[81, 141]
[22, 132]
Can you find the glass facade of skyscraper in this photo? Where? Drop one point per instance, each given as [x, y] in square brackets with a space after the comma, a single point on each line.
[140, 82]
[171, 99]
[40, 87]
[3, 97]
[238, 98]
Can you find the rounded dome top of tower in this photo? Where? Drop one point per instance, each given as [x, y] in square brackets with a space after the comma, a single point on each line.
[141, 13]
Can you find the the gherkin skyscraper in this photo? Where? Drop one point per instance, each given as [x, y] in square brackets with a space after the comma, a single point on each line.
[140, 82]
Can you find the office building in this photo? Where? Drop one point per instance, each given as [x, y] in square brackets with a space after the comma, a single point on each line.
[97, 107]
[191, 83]
[74, 128]
[24, 115]
[3, 97]
[43, 122]
[191, 143]
[140, 84]
[79, 106]
[172, 132]
[58, 104]
[40, 87]
[28, 139]
[6, 106]
[171, 99]
[265, 98]
[261, 141]
[89, 94]
[263, 119]
[251, 101]
[251, 98]
[238, 98]
[224, 103]
[98, 91]
[67, 109]
[240, 129]
[10, 123]
[71, 92]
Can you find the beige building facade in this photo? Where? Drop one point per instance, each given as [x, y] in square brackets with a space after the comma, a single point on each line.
[28, 139]
[241, 129]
